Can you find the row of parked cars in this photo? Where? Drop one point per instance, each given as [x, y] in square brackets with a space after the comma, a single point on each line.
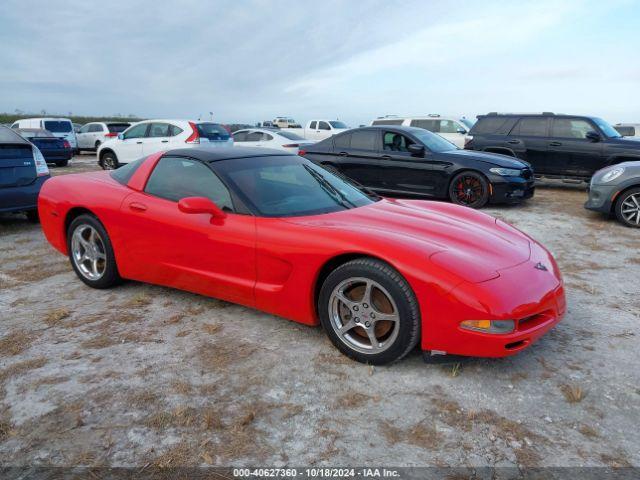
[409, 156]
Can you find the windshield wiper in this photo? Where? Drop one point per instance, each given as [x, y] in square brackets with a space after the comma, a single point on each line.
[336, 194]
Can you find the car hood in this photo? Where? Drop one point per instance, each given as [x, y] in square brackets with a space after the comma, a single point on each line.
[631, 142]
[468, 243]
[496, 159]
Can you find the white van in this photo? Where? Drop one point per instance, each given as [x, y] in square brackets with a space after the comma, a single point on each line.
[59, 127]
[452, 128]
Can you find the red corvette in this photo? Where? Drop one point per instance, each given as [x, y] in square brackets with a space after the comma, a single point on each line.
[276, 232]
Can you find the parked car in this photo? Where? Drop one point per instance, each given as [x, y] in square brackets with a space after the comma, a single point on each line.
[23, 170]
[266, 124]
[151, 136]
[400, 161]
[616, 190]
[275, 232]
[76, 127]
[273, 138]
[94, 134]
[556, 146]
[453, 128]
[628, 129]
[320, 129]
[60, 127]
[285, 122]
[54, 150]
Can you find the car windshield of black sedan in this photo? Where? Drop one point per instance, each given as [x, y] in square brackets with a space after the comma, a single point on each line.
[434, 143]
[289, 186]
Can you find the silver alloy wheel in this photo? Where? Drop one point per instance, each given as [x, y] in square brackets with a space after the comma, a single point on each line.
[364, 315]
[631, 209]
[109, 162]
[88, 252]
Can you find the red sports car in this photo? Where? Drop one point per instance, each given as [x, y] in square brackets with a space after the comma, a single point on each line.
[275, 232]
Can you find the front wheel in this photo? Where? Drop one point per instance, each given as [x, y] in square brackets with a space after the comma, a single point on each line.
[109, 161]
[470, 189]
[628, 208]
[91, 253]
[369, 312]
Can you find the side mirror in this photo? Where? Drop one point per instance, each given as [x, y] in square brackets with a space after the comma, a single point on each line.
[462, 131]
[416, 150]
[200, 205]
[120, 136]
[593, 136]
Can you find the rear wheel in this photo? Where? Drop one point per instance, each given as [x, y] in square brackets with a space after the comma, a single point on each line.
[32, 216]
[91, 253]
[470, 189]
[62, 163]
[628, 208]
[369, 312]
[109, 161]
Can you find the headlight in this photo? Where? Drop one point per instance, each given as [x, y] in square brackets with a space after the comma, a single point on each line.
[489, 326]
[505, 172]
[612, 174]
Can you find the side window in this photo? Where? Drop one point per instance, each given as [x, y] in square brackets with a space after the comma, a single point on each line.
[136, 132]
[173, 130]
[363, 140]
[323, 126]
[313, 125]
[531, 127]
[266, 137]
[95, 128]
[571, 128]
[159, 130]
[176, 178]
[240, 136]
[448, 126]
[85, 129]
[431, 125]
[396, 142]
[254, 137]
[388, 122]
[342, 141]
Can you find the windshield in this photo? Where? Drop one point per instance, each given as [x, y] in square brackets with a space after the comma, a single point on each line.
[467, 123]
[290, 136]
[433, 142]
[213, 131]
[117, 127]
[607, 129]
[58, 126]
[289, 186]
[337, 124]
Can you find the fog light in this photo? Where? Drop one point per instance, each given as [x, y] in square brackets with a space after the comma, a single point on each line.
[489, 326]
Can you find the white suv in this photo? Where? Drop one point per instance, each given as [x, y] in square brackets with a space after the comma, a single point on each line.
[151, 136]
[92, 135]
[452, 128]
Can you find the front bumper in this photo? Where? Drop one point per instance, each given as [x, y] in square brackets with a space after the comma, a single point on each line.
[532, 297]
[600, 198]
[21, 199]
[511, 190]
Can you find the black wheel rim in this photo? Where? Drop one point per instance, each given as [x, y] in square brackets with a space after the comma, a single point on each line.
[468, 190]
[109, 163]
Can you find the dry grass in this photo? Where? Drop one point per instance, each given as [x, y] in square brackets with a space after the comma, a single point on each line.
[182, 333]
[101, 341]
[224, 353]
[175, 318]
[211, 328]
[588, 431]
[144, 398]
[6, 430]
[55, 316]
[35, 271]
[194, 310]
[22, 367]
[183, 388]
[15, 343]
[352, 400]
[421, 435]
[178, 455]
[573, 393]
[138, 300]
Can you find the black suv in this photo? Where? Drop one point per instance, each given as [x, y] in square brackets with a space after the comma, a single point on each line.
[556, 146]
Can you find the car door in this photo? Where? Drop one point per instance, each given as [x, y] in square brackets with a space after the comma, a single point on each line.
[157, 138]
[357, 155]
[96, 134]
[571, 151]
[130, 147]
[189, 251]
[84, 136]
[400, 172]
[323, 131]
[528, 139]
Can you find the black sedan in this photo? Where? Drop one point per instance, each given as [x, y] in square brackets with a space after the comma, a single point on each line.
[407, 161]
[55, 150]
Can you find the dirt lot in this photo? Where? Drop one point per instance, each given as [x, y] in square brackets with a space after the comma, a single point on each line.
[144, 375]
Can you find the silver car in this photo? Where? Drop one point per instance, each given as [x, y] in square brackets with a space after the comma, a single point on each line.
[616, 190]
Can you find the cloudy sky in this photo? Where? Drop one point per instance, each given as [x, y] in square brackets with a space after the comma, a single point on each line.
[248, 61]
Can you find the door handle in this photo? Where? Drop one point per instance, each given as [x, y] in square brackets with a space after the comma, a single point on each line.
[343, 154]
[386, 157]
[164, 141]
[555, 144]
[513, 142]
[139, 143]
[139, 207]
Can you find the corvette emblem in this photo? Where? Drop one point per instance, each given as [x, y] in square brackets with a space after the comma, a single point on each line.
[540, 266]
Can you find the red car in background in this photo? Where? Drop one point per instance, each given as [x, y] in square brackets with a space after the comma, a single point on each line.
[275, 232]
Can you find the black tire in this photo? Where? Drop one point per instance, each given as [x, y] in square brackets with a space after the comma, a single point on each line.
[62, 163]
[110, 275]
[109, 161]
[630, 197]
[408, 326]
[470, 189]
[32, 216]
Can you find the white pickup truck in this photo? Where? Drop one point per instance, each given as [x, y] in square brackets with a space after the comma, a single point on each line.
[320, 129]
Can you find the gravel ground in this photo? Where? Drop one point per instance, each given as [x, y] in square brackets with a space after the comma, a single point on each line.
[143, 375]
